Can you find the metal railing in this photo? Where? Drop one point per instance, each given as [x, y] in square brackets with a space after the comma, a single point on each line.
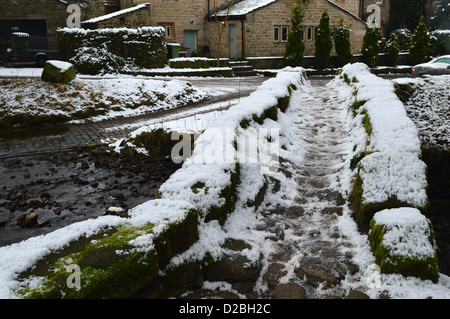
[35, 43]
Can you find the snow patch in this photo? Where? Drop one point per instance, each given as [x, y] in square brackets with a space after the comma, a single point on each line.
[407, 232]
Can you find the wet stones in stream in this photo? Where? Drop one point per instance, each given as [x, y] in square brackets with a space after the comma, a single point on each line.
[42, 193]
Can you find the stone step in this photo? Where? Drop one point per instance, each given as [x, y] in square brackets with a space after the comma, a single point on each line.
[239, 63]
[246, 73]
[242, 68]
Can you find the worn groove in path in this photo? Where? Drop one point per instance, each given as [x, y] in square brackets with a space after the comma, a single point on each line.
[308, 252]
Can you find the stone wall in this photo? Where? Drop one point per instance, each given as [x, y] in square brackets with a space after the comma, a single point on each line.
[352, 6]
[146, 46]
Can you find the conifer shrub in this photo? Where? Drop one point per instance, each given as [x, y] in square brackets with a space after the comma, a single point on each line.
[294, 45]
[323, 41]
[371, 48]
[392, 50]
[418, 47]
[341, 37]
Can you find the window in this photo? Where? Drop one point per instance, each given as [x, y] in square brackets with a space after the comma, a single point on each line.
[284, 33]
[169, 28]
[168, 31]
[280, 33]
[276, 33]
[309, 33]
[444, 60]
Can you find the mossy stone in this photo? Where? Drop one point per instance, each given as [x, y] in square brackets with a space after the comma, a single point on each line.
[389, 263]
[53, 72]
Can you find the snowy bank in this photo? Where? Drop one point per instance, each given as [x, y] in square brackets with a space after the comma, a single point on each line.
[427, 103]
[32, 101]
[389, 172]
[114, 257]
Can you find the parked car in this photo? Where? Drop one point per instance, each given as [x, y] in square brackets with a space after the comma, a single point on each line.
[437, 66]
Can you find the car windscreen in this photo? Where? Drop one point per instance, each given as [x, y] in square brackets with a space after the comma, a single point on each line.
[443, 60]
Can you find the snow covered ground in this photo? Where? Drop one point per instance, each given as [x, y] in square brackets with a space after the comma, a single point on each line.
[429, 108]
[94, 99]
[306, 112]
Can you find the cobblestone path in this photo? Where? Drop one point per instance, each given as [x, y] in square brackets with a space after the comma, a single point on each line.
[308, 252]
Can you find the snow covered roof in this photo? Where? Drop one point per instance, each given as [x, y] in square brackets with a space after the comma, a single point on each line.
[117, 13]
[244, 7]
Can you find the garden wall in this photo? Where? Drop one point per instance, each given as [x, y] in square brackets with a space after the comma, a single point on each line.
[117, 256]
[92, 51]
[262, 63]
[390, 176]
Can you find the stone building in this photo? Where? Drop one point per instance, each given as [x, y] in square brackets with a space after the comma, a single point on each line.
[183, 20]
[253, 28]
[35, 17]
[260, 28]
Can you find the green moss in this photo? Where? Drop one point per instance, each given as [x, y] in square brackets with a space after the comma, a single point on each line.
[283, 102]
[356, 105]
[110, 268]
[113, 268]
[177, 238]
[356, 159]
[158, 143]
[404, 91]
[366, 123]
[346, 78]
[229, 193]
[271, 113]
[363, 212]
[423, 268]
[245, 123]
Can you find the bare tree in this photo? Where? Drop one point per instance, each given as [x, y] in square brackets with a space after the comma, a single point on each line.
[219, 24]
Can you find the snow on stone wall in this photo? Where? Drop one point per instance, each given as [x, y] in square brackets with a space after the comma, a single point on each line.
[156, 229]
[390, 172]
[92, 51]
